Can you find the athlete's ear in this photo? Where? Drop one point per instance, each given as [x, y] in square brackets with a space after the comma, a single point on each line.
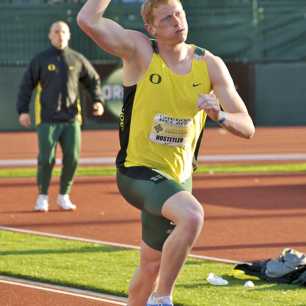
[150, 29]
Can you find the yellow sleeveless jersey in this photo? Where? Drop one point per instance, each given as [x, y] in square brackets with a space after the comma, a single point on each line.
[160, 125]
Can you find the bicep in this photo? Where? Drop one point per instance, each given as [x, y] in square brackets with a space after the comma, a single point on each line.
[224, 87]
[112, 38]
[229, 98]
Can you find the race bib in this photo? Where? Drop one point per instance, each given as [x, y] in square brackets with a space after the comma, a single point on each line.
[171, 131]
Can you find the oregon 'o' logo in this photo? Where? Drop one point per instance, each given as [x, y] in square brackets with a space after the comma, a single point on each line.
[51, 67]
[155, 78]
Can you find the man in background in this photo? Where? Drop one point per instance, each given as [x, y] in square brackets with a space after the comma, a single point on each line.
[55, 75]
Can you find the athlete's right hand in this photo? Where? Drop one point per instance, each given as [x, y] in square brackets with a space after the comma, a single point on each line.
[210, 104]
[25, 120]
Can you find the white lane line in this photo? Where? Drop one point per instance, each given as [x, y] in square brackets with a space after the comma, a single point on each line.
[114, 244]
[73, 238]
[111, 299]
[202, 158]
[217, 259]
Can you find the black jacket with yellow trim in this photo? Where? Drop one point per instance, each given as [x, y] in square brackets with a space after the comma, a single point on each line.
[56, 75]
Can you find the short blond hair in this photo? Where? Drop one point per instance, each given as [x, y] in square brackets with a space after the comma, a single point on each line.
[147, 9]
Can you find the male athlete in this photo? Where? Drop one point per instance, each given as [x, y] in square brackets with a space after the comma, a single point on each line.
[170, 86]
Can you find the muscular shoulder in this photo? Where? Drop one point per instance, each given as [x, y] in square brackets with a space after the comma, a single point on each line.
[137, 35]
[212, 60]
[143, 46]
[137, 63]
[216, 67]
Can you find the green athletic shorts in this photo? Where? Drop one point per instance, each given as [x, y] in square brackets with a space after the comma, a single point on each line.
[148, 190]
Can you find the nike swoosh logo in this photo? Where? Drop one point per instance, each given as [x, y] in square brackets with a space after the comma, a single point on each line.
[196, 84]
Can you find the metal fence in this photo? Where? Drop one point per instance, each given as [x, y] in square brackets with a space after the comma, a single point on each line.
[237, 30]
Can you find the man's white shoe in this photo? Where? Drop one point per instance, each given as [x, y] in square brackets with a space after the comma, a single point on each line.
[65, 203]
[42, 203]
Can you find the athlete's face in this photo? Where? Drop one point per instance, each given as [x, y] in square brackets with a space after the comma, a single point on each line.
[170, 22]
[59, 35]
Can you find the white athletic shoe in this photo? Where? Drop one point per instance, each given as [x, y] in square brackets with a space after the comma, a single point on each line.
[159, 301]
[42, 203]
[64, 202]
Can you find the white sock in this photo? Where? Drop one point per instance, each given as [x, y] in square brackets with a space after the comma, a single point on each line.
[63, 196]
[153, 299]
[164, 300]
[43, 196]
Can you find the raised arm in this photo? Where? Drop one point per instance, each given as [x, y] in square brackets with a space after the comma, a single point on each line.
[109, 35]
[234, 117]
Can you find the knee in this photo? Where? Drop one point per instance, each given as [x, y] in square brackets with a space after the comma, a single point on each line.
[72, 158]
[194, 220]
[46, 162]
[185, 211]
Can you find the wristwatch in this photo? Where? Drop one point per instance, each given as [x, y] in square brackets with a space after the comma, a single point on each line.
[221, 117]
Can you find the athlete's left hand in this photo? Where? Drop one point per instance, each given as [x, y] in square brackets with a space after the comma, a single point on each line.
[210, 104]
[98, 109]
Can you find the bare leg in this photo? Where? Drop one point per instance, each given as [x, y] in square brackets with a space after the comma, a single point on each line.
[145, 277]
[188, 215]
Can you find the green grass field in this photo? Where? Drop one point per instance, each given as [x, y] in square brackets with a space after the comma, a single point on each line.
[210, 169]
[108, 270]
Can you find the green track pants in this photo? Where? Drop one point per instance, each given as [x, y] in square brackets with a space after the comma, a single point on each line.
[68, 135]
